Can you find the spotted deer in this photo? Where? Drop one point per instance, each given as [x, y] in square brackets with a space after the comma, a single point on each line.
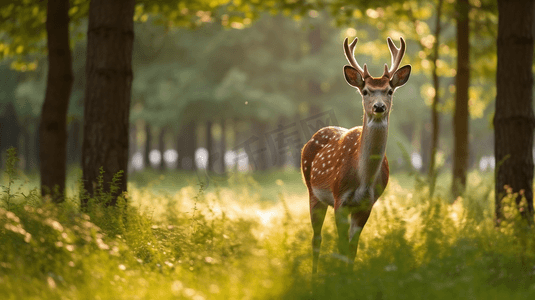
[347, 168]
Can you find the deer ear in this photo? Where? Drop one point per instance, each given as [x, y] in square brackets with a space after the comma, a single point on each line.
[353, 77]
[401, 76]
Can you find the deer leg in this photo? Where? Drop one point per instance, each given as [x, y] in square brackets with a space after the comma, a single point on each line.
[317, 216]
[342, 226]
[358, 220]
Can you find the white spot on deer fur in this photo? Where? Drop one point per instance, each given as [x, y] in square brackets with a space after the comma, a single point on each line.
[329, 162]
[344, 146]
[329, 156]
[305, 161]
[305, 168]
[316, 142]
[324, 165]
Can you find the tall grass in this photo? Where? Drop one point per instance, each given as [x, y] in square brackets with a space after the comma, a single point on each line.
[229, 243]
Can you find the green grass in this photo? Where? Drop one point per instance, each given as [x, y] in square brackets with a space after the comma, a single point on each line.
[249, 238]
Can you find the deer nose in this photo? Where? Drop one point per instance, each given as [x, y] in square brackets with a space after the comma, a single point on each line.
[379, 108]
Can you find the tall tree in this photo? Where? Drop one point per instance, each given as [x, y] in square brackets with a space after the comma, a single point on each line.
[209, 140]
[460, 116]
[161, 147]
[110, 38]
[148, 140]
[222, 148]
[514, 119]
[186, 145]
[53, 126]
[434, 107]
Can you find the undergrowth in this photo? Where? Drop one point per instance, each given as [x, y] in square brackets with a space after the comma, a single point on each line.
[229, 243]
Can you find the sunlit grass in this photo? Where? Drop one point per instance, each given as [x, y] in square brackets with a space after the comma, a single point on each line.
[235, 240]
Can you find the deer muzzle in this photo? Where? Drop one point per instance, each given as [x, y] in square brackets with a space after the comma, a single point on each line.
[379, 108]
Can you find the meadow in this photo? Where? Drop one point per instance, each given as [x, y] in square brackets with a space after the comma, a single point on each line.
[177, 236]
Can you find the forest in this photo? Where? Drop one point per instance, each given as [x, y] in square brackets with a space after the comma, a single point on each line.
[155, 149]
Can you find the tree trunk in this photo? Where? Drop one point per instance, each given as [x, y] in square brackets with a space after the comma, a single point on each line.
[110, 38]
[148, 139]
[514, 119]
[258, 154]
[281, 151]
[425, 146]
[296, 149]
[237, 141]
[132, 146]
[186, 146]
[161, 147]
[53, 129]
[209, 146]
[222, 148]
[434, 110]
[460, 116]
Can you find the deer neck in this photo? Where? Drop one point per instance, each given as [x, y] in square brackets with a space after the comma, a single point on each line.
[372, 149]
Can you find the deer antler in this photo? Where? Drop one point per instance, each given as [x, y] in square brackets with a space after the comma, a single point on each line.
[397, 55]
[350, 55]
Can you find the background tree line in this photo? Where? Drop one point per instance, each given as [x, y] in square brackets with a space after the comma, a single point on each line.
[213, 74]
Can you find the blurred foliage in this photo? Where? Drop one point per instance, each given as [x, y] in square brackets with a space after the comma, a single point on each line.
[255, 60]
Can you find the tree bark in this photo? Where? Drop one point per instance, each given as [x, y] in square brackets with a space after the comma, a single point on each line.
[161, 147]
[461, 115]
[53, 129]
[436, 99]
[237, 141]
[514, 119]
[186, 146]
[148, 139]
[425, 146]
[110, 39]
[258, 156]
[209, 147]
[132, 146]
[296, 149]
[222, 148]
[280, 149]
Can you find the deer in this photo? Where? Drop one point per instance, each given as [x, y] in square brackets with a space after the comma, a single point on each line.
[347, 169]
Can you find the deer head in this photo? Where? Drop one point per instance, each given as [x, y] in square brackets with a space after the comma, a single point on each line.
[377, 92]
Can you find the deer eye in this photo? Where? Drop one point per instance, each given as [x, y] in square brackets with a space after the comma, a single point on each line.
[365, 93]
[390, 93]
